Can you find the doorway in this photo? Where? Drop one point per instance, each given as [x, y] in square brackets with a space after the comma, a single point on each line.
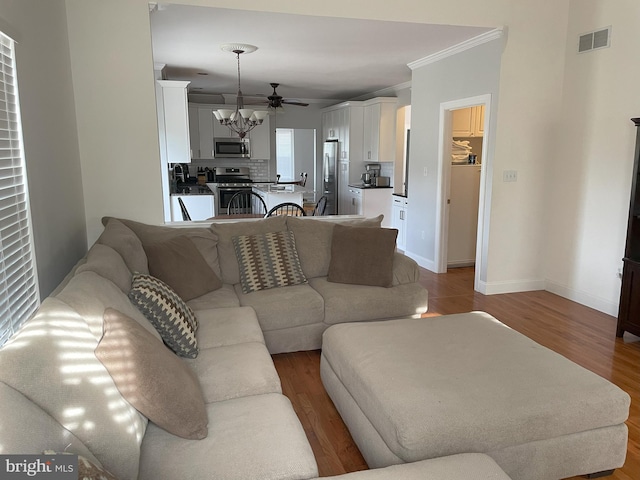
[296, 154]
[443, 207]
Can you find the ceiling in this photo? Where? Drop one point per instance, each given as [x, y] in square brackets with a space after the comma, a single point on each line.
[315, 59]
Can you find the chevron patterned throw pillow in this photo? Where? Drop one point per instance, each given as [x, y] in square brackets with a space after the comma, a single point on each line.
[172, 318]
[268, 260]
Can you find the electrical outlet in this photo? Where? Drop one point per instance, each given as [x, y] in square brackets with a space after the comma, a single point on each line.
[426, 171]
[509, 175]
[619, 273]
[423, 235]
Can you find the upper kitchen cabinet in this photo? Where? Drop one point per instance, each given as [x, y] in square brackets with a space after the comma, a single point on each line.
[201, 131]
[173, 121]
[380, 129]
[468, 122]
[203, 128]
[260, 138]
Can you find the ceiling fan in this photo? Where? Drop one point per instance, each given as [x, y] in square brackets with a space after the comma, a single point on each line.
[276, 100]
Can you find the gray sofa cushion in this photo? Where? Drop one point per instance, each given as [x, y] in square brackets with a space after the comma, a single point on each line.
[107, 263]
[224, 233]
[354, 303]
[122, 239]
[51, 361]
[284, 307]
[313, 240]
[258, 436]
[202, 237]
[464, 466]
[220, 327]
[28, 429]
[235, 371]
[224, 297]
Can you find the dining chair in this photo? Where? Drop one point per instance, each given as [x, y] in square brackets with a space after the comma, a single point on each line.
[246, 202]
[287, 208]
[183, 209]
[320, 207]
[302, 182]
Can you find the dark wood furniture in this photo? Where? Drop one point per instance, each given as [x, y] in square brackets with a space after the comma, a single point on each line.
[246, 203]
[629, 312]
[287, 208]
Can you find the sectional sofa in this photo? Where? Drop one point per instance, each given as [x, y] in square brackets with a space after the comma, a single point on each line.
[91, 375]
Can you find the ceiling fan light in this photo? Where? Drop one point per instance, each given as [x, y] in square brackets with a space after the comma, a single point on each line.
[246, 113]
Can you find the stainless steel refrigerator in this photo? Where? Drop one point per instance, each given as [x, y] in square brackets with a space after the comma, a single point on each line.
[330, 176]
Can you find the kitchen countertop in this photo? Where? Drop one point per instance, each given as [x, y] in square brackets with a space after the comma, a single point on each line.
[366, 187]
[279, 188]
[191, 189]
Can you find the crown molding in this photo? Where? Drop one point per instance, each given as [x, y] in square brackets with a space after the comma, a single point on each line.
[385, 92]
[460, 47]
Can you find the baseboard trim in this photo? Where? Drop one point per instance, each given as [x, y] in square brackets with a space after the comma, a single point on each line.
[423, 262]
[583, 298]
[495, 288]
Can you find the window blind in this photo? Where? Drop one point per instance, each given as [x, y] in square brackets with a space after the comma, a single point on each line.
[19, 297]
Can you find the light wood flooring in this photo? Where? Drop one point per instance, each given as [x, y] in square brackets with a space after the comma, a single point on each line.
[579, 333]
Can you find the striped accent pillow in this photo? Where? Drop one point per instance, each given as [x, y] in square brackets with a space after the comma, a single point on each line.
[172, 318]
[268, 260]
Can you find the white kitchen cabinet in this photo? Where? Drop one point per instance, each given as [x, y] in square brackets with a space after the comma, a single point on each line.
[371, 202]
[468, 122]
[399, 209]
[200, 207]
[201, 130]
[260, 138]
[173, 121]
[379, 136]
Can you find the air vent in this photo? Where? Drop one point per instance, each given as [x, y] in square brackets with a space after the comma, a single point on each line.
[594, 40]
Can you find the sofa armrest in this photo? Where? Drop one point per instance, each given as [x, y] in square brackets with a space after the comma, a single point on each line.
[405, 269]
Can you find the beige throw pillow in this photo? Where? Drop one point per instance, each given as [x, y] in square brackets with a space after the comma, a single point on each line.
[362, 255]
[151, 378]
[179, 264]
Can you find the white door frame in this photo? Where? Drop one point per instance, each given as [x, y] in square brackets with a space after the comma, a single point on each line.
[444, 184]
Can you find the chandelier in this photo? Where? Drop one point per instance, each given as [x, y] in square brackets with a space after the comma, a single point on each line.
[241, 120]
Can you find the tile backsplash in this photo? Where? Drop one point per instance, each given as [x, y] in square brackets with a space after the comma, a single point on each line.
[261, 170]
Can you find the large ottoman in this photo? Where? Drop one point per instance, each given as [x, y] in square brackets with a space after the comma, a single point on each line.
[414, 389]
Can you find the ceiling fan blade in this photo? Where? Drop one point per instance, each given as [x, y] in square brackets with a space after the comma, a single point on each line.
[295, 102]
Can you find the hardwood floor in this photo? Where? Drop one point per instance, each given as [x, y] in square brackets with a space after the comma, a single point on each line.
[579, 333]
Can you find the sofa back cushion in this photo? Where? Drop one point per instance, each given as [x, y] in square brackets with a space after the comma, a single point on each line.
[51, 361]
[25, 428]
[202, 238]
[107, 263]
[90, 295]
[122, 239]
[224, 233]
[313, 241]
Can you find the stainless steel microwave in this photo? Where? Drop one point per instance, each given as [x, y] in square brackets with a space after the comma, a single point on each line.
[230, 147]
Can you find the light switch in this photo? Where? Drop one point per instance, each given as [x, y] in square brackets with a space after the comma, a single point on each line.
[509, 175]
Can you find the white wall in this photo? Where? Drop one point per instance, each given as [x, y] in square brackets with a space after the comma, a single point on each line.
[589, 178]
[433, 84]
[49, 132]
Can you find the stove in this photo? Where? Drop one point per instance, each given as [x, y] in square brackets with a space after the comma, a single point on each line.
[228, 181]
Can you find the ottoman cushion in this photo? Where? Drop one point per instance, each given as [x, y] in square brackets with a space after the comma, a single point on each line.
[465, 383]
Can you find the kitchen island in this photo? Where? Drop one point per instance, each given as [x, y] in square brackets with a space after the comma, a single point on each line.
[275, 194]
